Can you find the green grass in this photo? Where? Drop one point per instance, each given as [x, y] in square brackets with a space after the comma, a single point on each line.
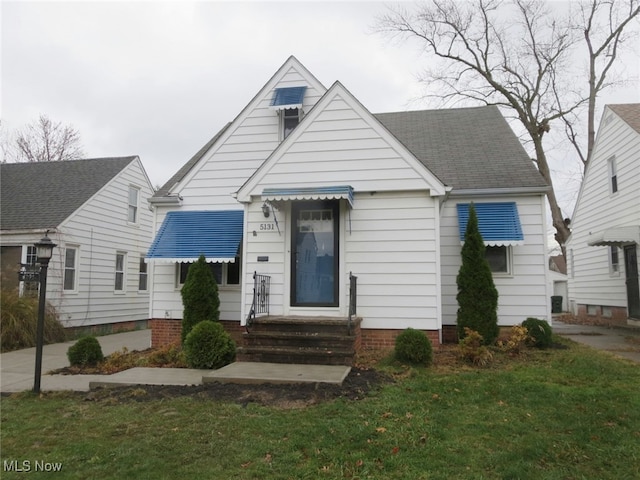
[561, 414]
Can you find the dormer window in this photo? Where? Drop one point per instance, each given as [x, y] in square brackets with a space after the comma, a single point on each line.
[288, 103]
[289, 120]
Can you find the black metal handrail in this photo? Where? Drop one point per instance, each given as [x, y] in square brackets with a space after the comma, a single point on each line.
[353, 294]
[260, 303]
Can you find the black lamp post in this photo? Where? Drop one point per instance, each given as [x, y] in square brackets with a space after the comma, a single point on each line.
[44, 251]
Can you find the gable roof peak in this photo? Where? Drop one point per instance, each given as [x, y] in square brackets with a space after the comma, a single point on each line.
[65, 186]
[629, 112]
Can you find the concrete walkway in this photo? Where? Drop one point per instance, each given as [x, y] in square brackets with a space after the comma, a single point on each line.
[17, 368]
[620, 341]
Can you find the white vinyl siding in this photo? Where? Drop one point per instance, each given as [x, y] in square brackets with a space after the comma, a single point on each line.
[388, 240]
[590, 271]
[101, 229]
[525, 291]
[241, 150]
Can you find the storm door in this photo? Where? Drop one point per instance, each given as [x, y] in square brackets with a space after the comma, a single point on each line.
[314, 253]
[633, 289]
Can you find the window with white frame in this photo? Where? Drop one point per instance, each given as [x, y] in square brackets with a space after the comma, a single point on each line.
[613, 175]
[119, 282]
[70, 268]
[499, 258]
[614, 260]
[290, 118]
[226, 274]
[134, 195]
[142, 275]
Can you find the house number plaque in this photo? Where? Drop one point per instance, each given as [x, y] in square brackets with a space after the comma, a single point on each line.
[266, 226]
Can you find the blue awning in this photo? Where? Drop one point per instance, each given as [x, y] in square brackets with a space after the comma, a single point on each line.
[289, 97]
[309, 193]
[184, 236]
[498, 222]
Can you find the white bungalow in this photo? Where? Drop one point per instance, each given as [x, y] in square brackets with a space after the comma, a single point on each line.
[603, 248]
[343, 211]
[95, 211]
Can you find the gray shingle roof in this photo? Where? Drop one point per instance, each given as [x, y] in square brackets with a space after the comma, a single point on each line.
[466, 148]
[186, 168]
[44, 194]
[629, 112]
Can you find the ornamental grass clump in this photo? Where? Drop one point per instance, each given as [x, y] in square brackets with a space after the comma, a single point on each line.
[539, 332]
[86, 352]
[414, 347]
[209, 346]
[18, 322]
[516, 342]
[472, 349]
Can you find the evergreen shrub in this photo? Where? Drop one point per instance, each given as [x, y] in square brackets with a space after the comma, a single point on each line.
[209, 346]
[86, 352]
[414, 347]
[539, 332]
[477, 295]
[200, 297]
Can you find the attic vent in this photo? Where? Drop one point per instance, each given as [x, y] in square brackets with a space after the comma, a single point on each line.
[285, 98]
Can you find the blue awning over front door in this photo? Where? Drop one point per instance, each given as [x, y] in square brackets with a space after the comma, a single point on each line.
[309, 193]
[498, 222]
[184, 236]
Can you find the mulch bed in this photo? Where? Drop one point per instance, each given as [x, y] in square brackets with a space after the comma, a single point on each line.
[356, 386]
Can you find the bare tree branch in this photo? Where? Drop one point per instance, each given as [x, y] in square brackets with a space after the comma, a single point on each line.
[519, 55]
[46, 141]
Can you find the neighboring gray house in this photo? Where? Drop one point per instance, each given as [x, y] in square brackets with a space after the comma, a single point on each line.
[96, 211]
[307, 187]
[603, 248]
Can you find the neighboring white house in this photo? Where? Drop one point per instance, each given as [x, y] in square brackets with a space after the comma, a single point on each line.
[96, 212]
[603, 247]
[306, 186]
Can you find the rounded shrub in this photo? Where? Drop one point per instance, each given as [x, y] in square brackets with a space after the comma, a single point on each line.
[209, 346]
[414, 347]
[86, 352]
[539, 331]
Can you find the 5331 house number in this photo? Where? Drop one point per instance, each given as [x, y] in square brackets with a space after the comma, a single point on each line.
[266, 226]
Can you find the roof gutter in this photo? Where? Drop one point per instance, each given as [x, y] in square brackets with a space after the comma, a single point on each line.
[491, 192]
[167, 200]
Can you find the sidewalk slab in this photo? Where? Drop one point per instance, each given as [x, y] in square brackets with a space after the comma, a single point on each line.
[150, 376]
[256, 373]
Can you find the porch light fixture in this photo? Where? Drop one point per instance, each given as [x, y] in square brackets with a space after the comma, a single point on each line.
[265, 210]
[44, 251]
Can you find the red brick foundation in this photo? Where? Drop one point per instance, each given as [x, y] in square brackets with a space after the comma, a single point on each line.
[169, 330]
[385, 339]
[618, 316]
[107, 328]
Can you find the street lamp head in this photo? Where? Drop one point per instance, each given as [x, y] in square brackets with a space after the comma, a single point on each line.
[44, 248]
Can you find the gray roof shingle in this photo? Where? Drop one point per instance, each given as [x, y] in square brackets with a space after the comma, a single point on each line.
[629, 112]
[43, 194]
[466, 148]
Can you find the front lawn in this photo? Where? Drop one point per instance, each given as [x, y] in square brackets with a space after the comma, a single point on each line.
[554, 414]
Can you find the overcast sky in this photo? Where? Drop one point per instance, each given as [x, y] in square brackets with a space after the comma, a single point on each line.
[159, 79]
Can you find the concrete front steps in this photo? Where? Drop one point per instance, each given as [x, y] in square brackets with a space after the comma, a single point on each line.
[301, 340]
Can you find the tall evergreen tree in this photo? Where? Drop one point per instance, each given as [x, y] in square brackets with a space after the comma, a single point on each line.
[199, 296]
[477, 295]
